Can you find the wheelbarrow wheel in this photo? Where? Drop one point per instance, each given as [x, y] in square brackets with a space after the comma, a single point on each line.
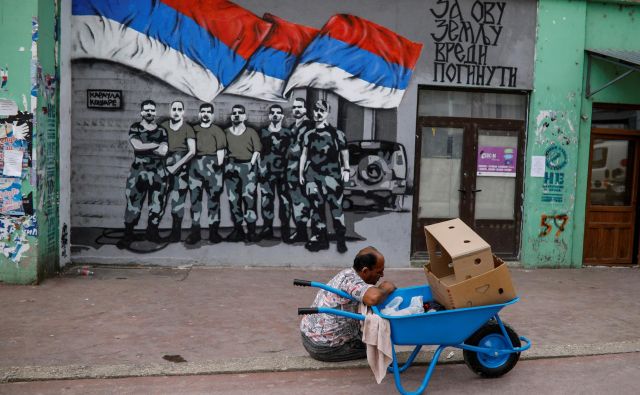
[490, 336]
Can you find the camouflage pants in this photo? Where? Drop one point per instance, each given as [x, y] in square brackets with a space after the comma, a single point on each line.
[205, 174]
[179, 185]
[272, 185]
[326, 190]
[298, 202]
[241, 183]
[147, 177]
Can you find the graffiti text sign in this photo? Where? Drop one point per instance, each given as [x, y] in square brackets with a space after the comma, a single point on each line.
[471, 42]
[104, 99]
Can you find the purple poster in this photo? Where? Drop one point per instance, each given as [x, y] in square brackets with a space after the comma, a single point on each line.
[497, 161]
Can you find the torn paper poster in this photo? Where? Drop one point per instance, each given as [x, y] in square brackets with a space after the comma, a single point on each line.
[10, 196]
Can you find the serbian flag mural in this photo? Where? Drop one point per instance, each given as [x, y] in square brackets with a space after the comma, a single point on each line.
[361, 61]
[198, 46]
[270, 66]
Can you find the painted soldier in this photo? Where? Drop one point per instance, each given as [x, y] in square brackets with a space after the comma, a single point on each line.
[205, 173]
[324, 177]
[244, 146]
[182, 147]
[299, 202]
[148, 175]
[272, 173]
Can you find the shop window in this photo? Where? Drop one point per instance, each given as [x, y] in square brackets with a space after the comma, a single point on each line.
[464, 104]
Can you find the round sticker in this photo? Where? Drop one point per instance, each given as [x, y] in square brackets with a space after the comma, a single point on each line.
[556, 157]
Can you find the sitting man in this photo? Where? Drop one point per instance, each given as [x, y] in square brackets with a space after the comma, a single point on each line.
[332, 338]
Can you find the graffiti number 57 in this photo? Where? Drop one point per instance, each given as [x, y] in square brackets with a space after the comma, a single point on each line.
[560, 221]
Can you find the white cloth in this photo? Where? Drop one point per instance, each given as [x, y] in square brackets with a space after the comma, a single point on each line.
[376, 334]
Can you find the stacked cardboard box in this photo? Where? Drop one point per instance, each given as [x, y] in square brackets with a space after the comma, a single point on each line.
[462, 271]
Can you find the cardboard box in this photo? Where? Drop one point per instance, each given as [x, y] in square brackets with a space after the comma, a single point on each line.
[494, 286]
[453, 245]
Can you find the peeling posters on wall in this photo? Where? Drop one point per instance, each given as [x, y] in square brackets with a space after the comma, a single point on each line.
[13, 236]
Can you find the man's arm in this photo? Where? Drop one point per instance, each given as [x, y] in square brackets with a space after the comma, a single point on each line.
[191, 144]
[140, 146]
[220, 154]
[162, 149]
[255, 157]
[345, 165]
[303, 162]
[377, 295]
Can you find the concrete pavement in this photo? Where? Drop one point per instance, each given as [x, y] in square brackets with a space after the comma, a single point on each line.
[124, 322]
[603, 374]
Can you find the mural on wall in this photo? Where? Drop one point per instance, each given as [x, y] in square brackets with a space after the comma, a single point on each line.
[289, 171]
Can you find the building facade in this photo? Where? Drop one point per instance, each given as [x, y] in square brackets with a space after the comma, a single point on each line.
[492, 112]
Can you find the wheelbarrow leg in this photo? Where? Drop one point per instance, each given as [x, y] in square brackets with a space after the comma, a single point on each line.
[427, 376]
[504, 330]
[409, 360]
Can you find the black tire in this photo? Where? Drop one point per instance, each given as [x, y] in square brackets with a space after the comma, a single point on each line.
[485, 365]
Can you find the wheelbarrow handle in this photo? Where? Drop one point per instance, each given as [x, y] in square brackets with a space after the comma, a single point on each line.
[339, 292]
[327, 310]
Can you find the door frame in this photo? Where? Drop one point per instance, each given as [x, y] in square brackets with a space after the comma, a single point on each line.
[470, 128]
[620, 134]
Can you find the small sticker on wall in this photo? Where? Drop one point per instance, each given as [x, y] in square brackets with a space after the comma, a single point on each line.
[537, 166]
[12, 163]
[8, 107]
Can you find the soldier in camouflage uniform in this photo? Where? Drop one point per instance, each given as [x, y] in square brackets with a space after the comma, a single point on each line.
[182, 147]
[324, 178]
[148, 175]
[206, 172]
[244, 146]
[271, 174]
[296, 195]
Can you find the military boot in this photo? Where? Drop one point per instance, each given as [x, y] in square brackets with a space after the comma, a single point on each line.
[237, 234]
[300, 234]
[285, 232]
[194, 235]
[127, 238]
[214, 236]
[153, 235]
[340, 239]
[318, 242]
[176, 229]
[252, 237]
[267, 231]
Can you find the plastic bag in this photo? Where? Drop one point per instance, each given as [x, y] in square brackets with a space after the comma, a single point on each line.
[415, 307]
[392, 306]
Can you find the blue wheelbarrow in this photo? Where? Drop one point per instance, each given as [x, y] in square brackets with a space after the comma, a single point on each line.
[491, 348]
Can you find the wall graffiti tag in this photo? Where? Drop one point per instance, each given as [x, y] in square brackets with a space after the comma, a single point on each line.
[548, 221]
[463, 40]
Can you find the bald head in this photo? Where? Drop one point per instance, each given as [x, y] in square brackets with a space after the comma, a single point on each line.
[369, 264]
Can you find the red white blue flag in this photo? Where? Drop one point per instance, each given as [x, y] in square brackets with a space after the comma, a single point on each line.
[198, 46]
[271, 65]
[361, 61]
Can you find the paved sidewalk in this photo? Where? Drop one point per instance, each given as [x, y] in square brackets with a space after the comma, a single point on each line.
[121, 322]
